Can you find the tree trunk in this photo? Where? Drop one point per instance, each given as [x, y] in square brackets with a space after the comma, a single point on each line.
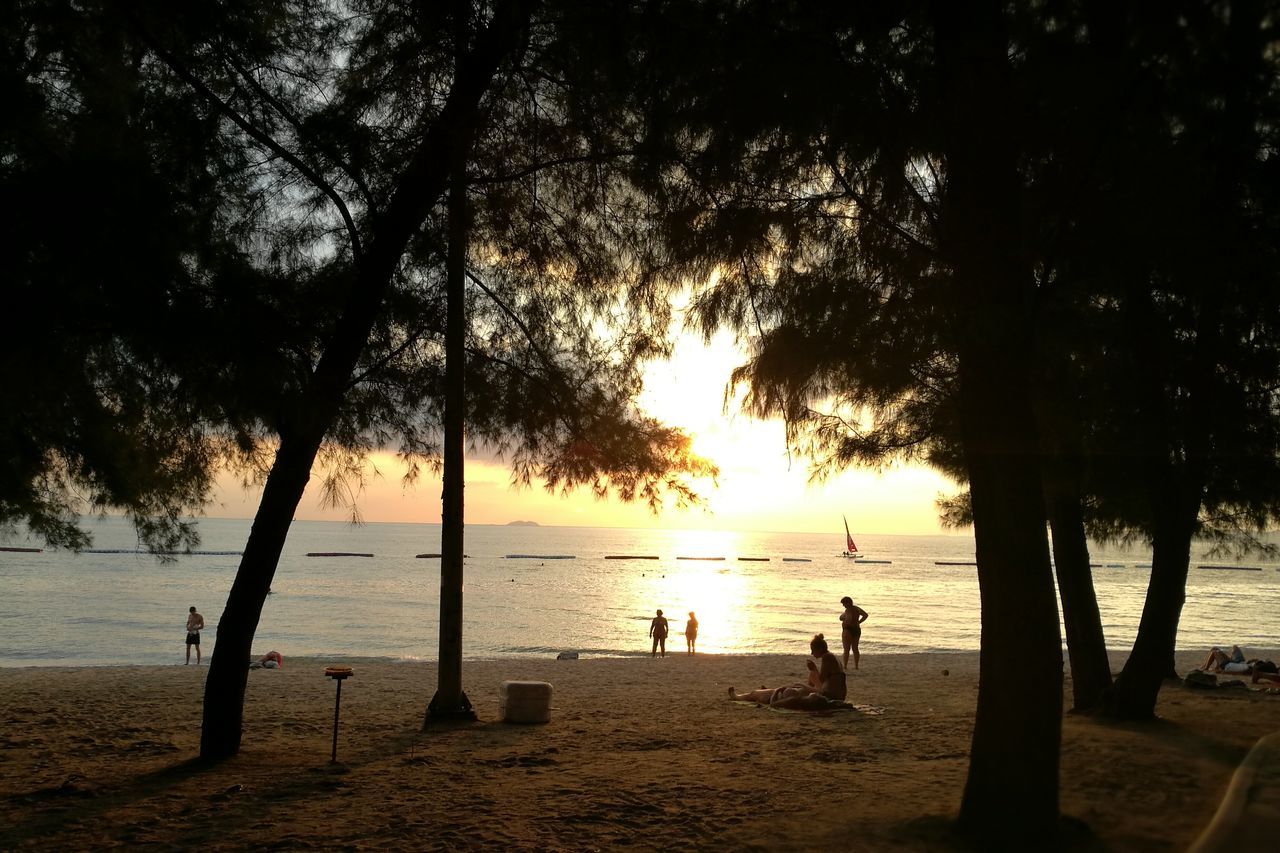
[1151, 661]
[1086, 644]
[449, 702]
[1011, 793]
[418, 189]
[1059, 429]
[229, 664]
[1179, 487]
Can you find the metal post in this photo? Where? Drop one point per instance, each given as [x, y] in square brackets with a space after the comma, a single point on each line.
[337, 703]
[337, 673]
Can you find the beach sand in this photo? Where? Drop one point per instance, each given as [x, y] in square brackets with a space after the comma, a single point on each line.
[640, 753]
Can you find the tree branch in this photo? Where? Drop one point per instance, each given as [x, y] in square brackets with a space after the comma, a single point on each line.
[873, 215]
[255, 132]
[546, 164]
[296, 124]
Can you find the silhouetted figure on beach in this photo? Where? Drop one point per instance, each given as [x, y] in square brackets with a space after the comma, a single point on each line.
[827, 676]
[691, 632]
[1220, 661]
[271, 660]
[826, 689]
[194, 623]
[658, 631]
[794, 697]
[851, 629]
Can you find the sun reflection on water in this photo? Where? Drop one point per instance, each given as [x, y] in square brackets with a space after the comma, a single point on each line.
[711, 586]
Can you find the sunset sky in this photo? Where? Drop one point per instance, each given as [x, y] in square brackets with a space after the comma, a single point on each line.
[759, 488]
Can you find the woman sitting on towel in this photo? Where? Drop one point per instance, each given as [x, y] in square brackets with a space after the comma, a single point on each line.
[826, 687]
[827, 676]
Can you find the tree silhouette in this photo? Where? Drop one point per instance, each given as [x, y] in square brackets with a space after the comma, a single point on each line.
[908, 227]
[864, 224]
[109, 234]
[357, 121]
[288, 164]
[1198, 308]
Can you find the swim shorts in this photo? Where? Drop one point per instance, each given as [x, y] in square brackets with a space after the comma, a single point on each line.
[193, 638]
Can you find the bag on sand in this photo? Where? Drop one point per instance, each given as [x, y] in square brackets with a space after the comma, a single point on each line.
[1196, 678]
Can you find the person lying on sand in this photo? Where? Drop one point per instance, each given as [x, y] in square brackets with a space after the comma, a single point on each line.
[793, 697]
[271, 660]
[1220, 661]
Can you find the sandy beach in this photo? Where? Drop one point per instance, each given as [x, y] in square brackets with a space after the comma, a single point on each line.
[640, 753]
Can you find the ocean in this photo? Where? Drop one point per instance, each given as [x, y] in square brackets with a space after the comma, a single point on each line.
[537, 591]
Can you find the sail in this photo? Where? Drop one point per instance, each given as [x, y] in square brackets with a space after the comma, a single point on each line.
[850, 547]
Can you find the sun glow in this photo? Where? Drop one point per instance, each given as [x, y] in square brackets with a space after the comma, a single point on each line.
[761, 485]
[706, 545]
[710, 587]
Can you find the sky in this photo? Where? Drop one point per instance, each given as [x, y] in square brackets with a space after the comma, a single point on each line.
[759, 488]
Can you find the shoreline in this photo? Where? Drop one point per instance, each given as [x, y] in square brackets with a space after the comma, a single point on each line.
[493, 659]
[1116, 655]
[639, 752]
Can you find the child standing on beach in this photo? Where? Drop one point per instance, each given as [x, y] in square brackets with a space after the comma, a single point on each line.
[691, 632]
[658, 630]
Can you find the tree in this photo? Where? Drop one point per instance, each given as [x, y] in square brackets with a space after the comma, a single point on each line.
[284, 163]
[861, 222]
[1017, 729]
[1207, 307]
[361, 117]
[109, 214]
[910, 201]
[449, 700]
[376, 248]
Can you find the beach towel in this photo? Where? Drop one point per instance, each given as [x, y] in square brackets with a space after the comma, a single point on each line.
[863, 710]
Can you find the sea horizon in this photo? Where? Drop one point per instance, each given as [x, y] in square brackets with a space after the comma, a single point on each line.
[534, 591]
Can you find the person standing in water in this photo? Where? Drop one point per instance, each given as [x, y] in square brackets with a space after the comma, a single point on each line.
[658, 630]
[851, 629]
[194, 623]
[691, 632]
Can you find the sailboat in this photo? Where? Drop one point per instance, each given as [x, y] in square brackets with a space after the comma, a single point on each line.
[851, 549]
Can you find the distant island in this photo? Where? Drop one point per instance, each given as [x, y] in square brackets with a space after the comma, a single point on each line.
[522, 524]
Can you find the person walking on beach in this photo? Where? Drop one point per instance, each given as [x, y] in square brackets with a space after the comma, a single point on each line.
[194, 623]
[851, 629]
[691, 632]
[658, 630]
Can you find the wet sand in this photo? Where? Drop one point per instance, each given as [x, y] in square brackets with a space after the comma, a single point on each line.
[641, 754]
